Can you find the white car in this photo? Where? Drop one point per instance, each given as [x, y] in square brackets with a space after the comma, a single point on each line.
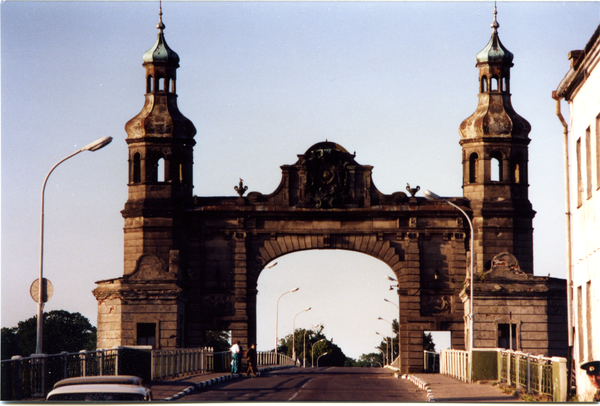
[100, 388]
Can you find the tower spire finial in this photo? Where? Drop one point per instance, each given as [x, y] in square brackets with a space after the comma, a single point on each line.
[495, 24]
[160, 24]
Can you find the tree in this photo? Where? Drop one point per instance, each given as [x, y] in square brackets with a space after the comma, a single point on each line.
[218, 339]
[371, 360]
[335, 356]
[62, 331]
[428, 344]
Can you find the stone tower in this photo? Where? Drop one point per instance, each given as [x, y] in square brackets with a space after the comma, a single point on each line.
[160, 141]
[494, 144]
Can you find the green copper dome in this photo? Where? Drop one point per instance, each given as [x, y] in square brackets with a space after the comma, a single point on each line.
[161, 52]
[494, 51]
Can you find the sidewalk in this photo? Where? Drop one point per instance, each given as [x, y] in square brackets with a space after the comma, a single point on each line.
[442, 388]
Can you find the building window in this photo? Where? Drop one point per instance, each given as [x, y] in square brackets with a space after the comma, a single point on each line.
[579, 176]
[494, 84]
[483, 88]
[149, 84]
[137, 168]
[598, 152]
[506, 330]
[473, 159]
[588, 161]
[518, 169]
[160, 170]
[496, 169]
[580, 322]
[146, 334]
[588, 319]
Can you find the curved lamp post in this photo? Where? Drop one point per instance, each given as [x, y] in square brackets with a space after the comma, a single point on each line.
[94, 146]
[294, 334]
[392, 338]
[432, 196]
[387, 344]
[312, 352]
[277, 312]
[325, 353]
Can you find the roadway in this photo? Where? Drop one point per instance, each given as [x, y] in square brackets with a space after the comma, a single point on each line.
[324, 384]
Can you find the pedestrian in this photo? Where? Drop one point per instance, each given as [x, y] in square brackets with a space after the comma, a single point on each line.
[592, 369]
[251, 358]
[236, 354]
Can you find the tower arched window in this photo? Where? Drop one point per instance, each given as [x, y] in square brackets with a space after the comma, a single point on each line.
[157, 168]
[160, 170]
[136, 168]
[473, 160]
[494, 84]
[161, 84]
[173, 89]
[149, 84]
[496, 166]
[484, 84]
[518, 169]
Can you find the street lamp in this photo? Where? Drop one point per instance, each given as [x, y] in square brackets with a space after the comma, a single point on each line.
[387, 344]
[312, 352]
[277, 312]
[94, 146]
[320, 357]
[294, 334]
[392, 337]
[382, 357]
[432, 196]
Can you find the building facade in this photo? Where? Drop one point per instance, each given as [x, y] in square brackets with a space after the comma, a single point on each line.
[192, 263]
[580, 89]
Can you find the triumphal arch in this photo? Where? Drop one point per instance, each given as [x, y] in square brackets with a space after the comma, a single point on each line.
[192, 263]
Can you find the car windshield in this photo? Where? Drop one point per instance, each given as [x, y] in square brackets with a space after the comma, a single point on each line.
[91, 397]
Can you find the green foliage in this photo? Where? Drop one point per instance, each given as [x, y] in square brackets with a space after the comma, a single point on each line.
[334, 357]
[218, 339]
[371, 360]
[428, 344]
[63, 331]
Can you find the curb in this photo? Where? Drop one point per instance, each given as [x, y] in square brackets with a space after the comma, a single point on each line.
[421, 384]
[209, 382]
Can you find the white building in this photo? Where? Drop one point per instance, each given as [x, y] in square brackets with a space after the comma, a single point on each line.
[581, 90]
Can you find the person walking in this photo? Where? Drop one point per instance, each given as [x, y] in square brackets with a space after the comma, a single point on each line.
[236, 354]
[251, 358]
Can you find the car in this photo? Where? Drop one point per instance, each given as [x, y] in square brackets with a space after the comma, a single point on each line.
[100, 388]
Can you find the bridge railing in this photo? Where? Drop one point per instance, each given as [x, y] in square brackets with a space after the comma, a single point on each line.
[431, 361]
[455, 363]
[181, 361]
[534, 374]
[31, 377]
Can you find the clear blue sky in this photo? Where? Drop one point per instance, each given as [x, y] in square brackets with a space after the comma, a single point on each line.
[262, 82]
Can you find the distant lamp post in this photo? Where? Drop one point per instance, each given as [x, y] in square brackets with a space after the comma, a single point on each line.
[277, 313]
[387, 346]
[312, 352]
[325, 353]
[392, 338]
[382, 356]
[294, 333]
[94, 146]
[432, 196]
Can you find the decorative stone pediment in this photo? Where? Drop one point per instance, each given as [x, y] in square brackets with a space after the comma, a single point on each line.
[150, 268]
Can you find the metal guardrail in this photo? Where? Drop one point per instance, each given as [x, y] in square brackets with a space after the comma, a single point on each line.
[535, 373]
[32, 377]
[181, 361]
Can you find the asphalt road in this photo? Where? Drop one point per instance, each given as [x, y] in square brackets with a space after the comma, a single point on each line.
[322, 384]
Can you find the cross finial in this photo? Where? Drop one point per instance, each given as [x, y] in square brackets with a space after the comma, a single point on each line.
[495, 24]
[160, 24]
